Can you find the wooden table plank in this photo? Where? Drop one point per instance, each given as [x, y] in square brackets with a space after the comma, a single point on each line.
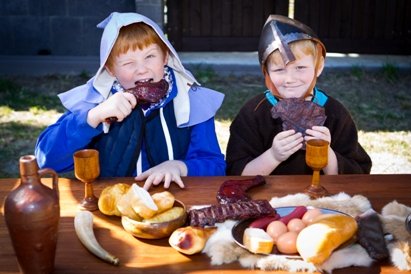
[156, 256]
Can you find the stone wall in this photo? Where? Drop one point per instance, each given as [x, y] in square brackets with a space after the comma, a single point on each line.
[62, 27]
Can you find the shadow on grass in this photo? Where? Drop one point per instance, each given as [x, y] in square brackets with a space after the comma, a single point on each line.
[15, 97]
[16, 139]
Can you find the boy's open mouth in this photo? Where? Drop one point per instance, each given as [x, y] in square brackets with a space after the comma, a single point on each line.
[149, 80]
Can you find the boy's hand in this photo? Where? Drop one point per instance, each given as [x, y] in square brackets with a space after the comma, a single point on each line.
[167, 172]
[318, 132]
[119, 105]
[285, 144]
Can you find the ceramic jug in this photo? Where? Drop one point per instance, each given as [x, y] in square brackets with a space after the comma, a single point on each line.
[32, 214]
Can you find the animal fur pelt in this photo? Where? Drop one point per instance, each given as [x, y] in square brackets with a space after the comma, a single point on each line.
[341, 202]
[393, 217]
[221, 247]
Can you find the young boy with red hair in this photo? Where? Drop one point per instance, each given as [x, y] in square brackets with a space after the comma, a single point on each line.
[145, 114]
[268, 135]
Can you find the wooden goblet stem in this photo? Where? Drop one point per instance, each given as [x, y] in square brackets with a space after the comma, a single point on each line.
[315, 181]
[89, 201]
[316, 192]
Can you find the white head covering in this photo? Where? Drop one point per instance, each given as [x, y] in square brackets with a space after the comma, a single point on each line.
[86, 97]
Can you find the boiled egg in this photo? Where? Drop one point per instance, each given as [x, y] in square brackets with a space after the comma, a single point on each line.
[287, 242]
[275, 229]
[311, 215]
[296, 225]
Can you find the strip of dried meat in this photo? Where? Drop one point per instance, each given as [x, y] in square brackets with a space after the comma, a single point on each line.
[211, 215]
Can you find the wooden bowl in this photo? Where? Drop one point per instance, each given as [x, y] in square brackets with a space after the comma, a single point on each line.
[147, 230]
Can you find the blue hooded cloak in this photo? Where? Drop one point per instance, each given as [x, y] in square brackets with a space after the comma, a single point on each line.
[181, 129]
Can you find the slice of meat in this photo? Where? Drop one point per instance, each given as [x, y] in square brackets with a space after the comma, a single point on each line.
[298, 114]
[232, 191]
[149, 92]
[370, 235]
[146, 93]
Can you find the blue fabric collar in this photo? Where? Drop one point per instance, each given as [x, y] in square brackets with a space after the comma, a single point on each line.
[320, 98]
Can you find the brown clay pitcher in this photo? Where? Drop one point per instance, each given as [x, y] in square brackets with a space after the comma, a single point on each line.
[32, 215]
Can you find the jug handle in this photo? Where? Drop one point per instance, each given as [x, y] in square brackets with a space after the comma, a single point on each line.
[48, 171]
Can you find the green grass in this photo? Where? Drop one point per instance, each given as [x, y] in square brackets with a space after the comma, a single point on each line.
[390, 72]
[235, 95]
[16, 139]
[16, 97]
[379, 101]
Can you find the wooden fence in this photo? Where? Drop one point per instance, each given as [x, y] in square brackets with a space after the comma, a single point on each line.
[347, 26]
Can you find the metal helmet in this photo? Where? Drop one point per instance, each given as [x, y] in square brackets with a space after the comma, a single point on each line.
[278, 32]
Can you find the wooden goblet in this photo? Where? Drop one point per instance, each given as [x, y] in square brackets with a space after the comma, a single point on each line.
[316, 157]
[87, 170]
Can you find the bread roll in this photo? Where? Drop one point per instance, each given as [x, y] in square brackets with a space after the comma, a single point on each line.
[316, 242]
[166, 216]
[190, 240]
[256, 240]
[164, 200]
[109, 197]
[137, 203]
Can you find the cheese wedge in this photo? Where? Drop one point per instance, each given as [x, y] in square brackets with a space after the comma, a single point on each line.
[256, 240]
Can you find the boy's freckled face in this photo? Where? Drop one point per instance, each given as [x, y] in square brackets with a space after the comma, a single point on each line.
[140, 65]
[292, 80]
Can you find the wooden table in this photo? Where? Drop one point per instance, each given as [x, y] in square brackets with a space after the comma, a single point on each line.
[156, 256]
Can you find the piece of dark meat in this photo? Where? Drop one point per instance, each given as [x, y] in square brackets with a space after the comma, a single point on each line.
[232, 191]
[146, 93]
[370, 235]
[149, 92]
[298, 114]
[209, 216]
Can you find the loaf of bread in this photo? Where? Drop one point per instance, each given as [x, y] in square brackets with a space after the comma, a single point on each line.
[316, 242]
[256, 240]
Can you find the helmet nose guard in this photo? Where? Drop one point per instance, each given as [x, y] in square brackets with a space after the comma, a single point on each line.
[278, 32]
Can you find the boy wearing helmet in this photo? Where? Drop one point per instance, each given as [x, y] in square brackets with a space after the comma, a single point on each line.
[145, 114]
[264, 140]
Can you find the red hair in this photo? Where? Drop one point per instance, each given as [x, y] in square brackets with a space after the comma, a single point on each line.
[134, 36]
